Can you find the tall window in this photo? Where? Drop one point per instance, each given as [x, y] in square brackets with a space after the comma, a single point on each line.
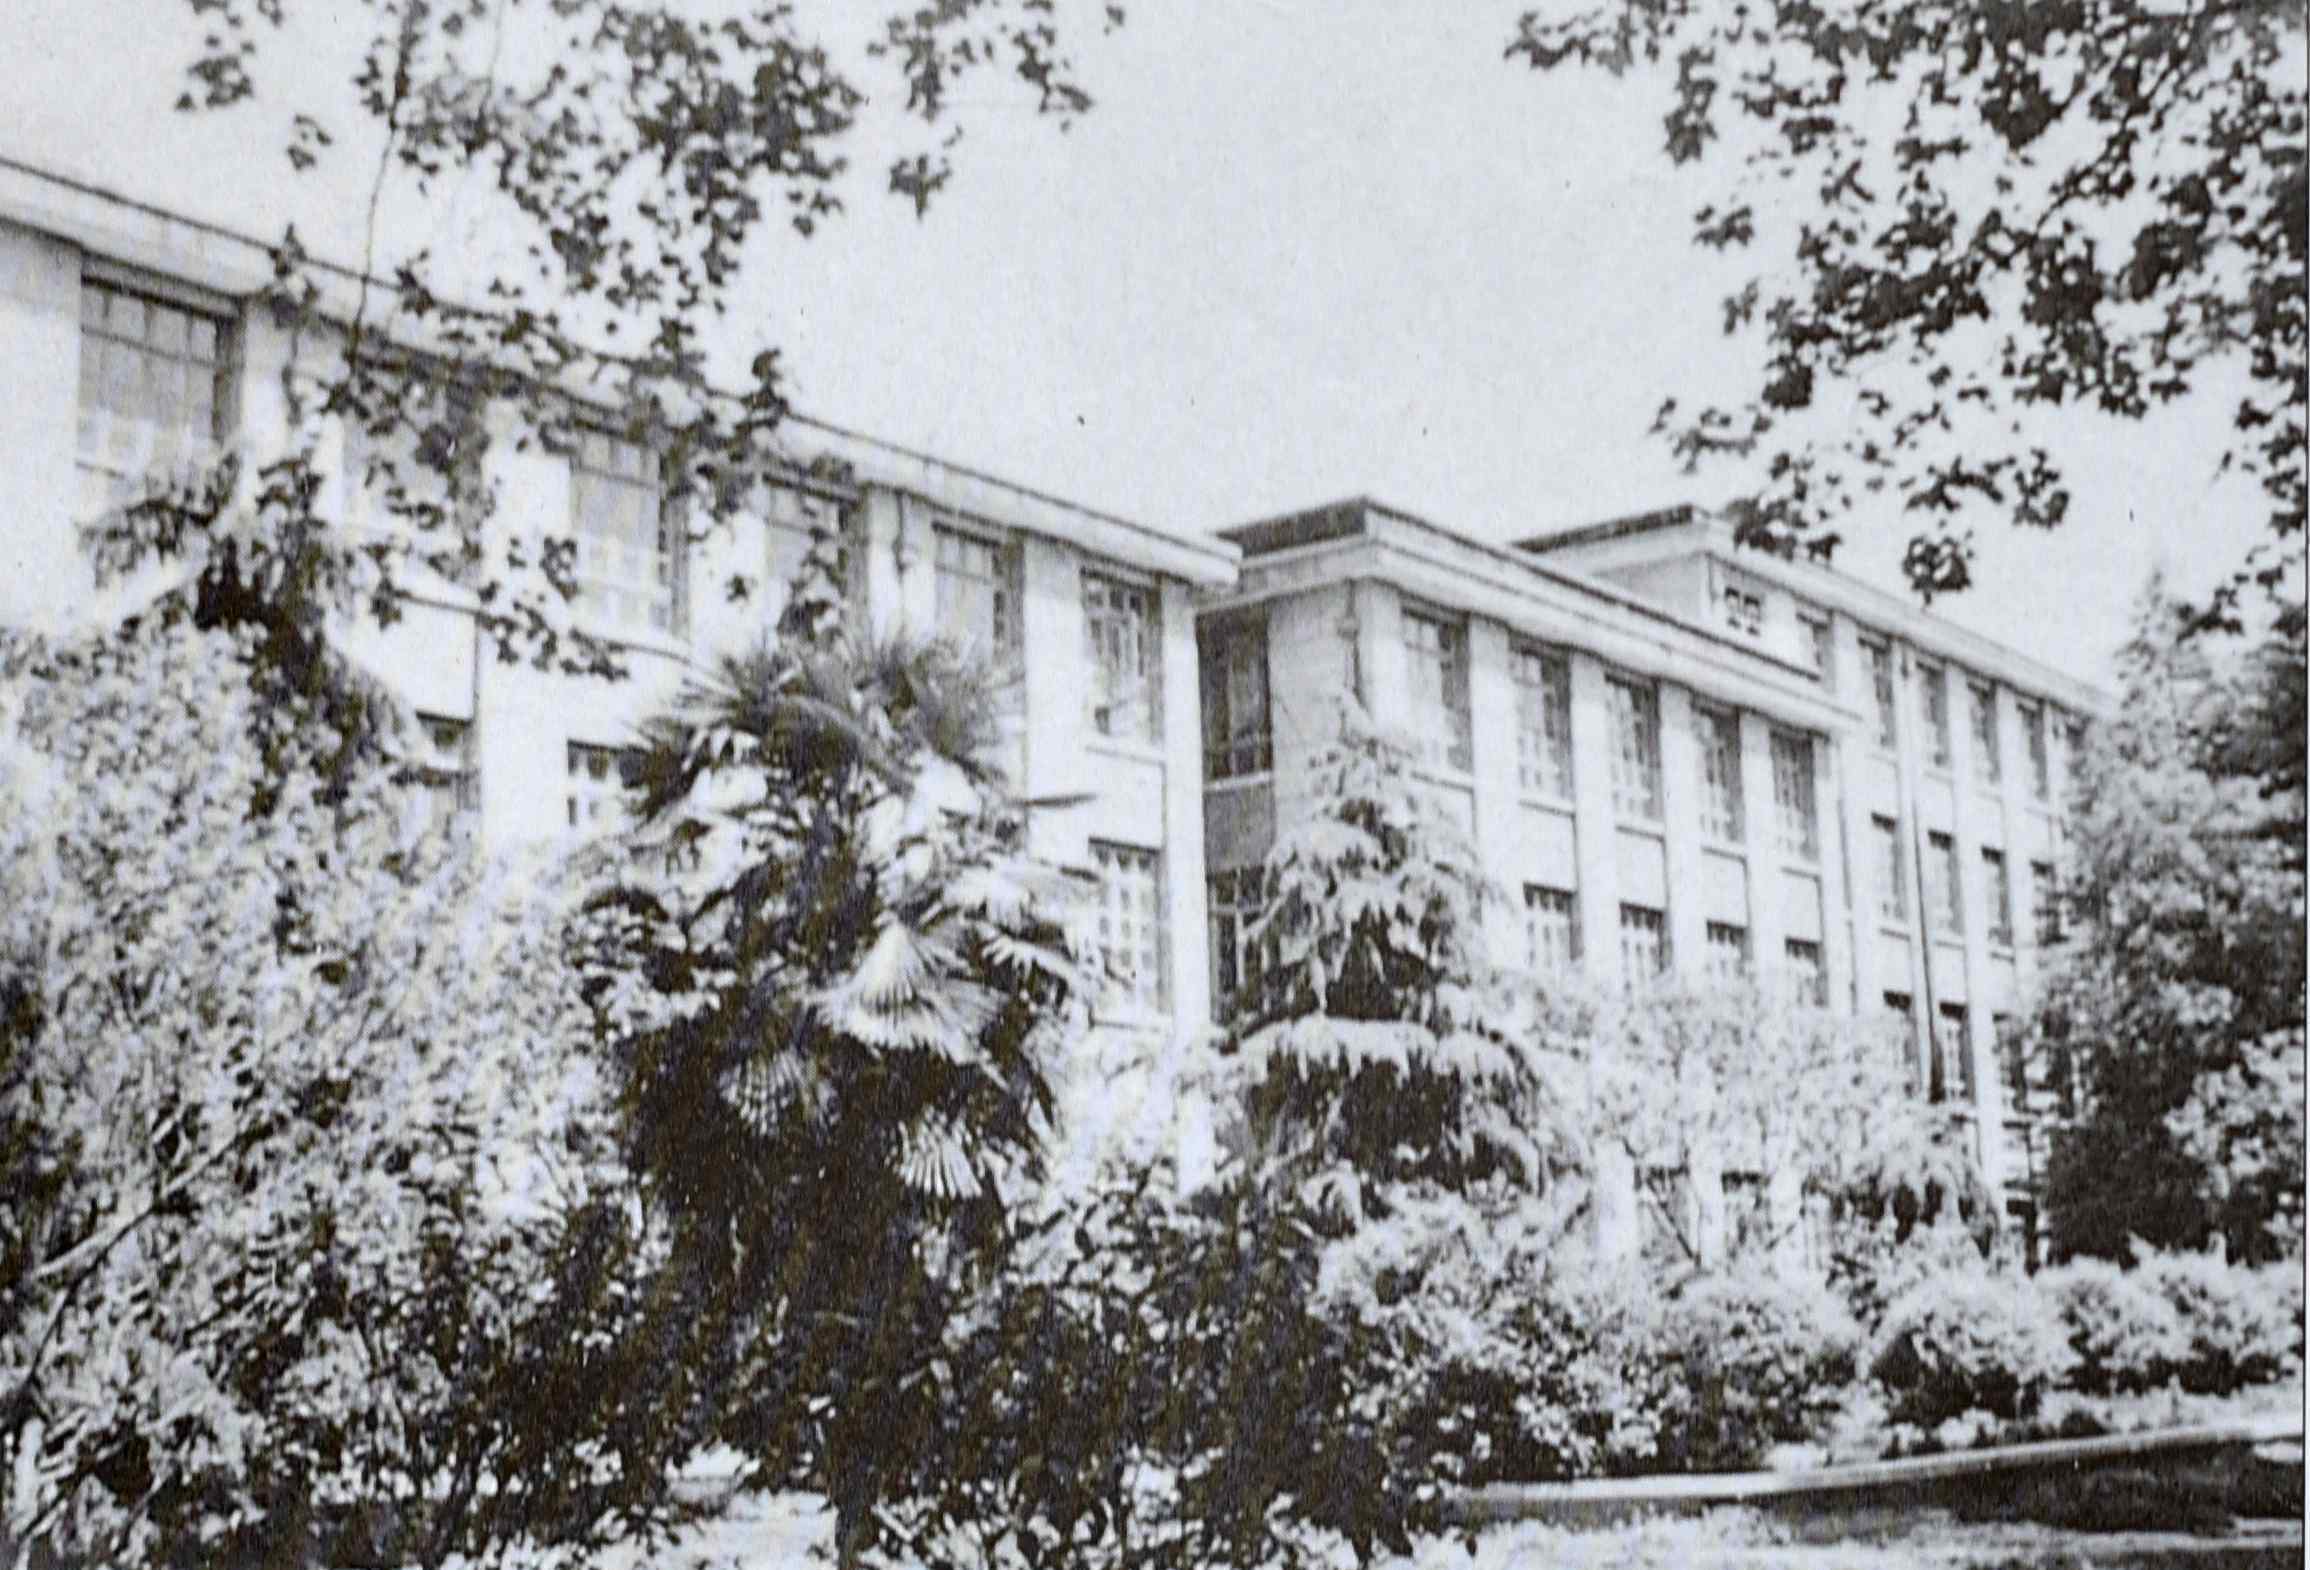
[2045, 900]
[1720, 774]
[1436, 660]
[978, 595]
[1935, 683]
[1806, 972]
[1902, 1008]
[595, 782]
[445, 770]
[1543, 722]
[1235, 906]
[1743, 605]
[1820, 647]
[1124, 627]
[1880, 656]
[801, 521]
[1131, 926]
[1796, 811]
[1635, 748]
[2033, 737]
[155, 386]
[1986, 763]
[1941, 878]
[1728, 950]
[1643, 943]
[2012, 1060]
[1951, 1071]
[1551, 931]
[1236, 735]
[1997, 893]
[629, 551]
[1886, 863]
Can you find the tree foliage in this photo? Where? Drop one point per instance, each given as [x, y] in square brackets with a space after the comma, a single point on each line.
[2007, 209]
[312, 1244]
[2179, 994]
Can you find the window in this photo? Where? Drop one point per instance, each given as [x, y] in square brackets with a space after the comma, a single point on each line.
[1796, 813]
[1643, 943]
[1880, 657]
[1820, 647]
[1235, 903]
[1636, 749]
[1988, 767]
[444, 770]
[1809, 975]
[2012, 1061]
[978, 595]
[1728, 950]
[1236, 735]
[1935, 682]
[1743, 605]
[1543, 722]
[596, 780]
[2045, 892]
[1436, 661]
[1551, 931]
[1126, 658]
[629, 554]
[800, 522]
[1131, 926]
[1719, 735]
[2076, 736]
[1951, 1070]
[1903, 1010]
[413, 465]
[1885, 862]
[155, 386]
[1997, 893]
[2033, 737]
[1941, 877]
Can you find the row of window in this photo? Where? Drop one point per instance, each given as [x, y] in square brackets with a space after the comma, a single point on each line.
[1981, 713]
[1944, 904]
[1947, 1070]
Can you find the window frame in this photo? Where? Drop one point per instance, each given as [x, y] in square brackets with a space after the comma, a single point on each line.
[597, 786]
[1796, 822]
[1884, 690]
[1988, 754]
[1004, 584]
[180, 439]
[1726, 947]
[1128, 998]
[1811, 968]
[1723, 802]
[1230, 751]
[1234, 899]
[1997, 895]
[1652, 922]
[1637, 787]
[1540, 898]
[671, 551]
[1933, 691]
[2034, 742]
[1135, 606]
[1944, 884]
[1543, 681]
[1892, 891]
[1443, 720]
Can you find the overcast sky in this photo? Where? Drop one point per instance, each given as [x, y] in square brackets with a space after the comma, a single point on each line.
[1298, 251]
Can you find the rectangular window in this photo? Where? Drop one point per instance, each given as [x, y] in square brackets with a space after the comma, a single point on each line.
[445, 771]
[595, 782]
[1728, 950]
[1635, 749]
[1743, 605]
[1806, 972]
[1131, 927]
[978, 597]
[1951, 1070]
[2045, 895]
[1886, 864]
[2033, 737]
[1544, 722]
[1236, 736]
[1719, 735]
[1941, 878]
[1796, 810]
[1900, 1007]
[1643, 943]
[1124, 627]
[1997, 894]
[1988, 767]
[1551, 931]
[1820, 647]
[155, 390]
[802, 521]
[1880, 656]
[629, 551]
[2012, 1061]
[1436, 663]
[1935, 684]
[1235, 903]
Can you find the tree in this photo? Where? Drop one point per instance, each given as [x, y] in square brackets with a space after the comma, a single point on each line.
[1377, 1041]
[2179, 994]
[313, 1243]
[2010, 209]
[834, 1020]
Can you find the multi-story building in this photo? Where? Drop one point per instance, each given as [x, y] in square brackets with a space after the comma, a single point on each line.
[1674, 757]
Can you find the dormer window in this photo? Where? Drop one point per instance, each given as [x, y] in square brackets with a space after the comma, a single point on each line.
[1742, 604]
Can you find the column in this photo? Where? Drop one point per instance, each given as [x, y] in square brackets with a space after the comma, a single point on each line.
[1680, 820]
[1973, 916]
[1499, 799]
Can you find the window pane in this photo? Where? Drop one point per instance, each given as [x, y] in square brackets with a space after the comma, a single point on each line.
[1131, 926]
[1721, 815]
[1986, 763]
[1891, 883]
[1935, 683]
[1236, 737]
[1728, 950]
[1881, 685]
[1121, 623]
[1544, 722]
[1796, 810]
[1636, 749]
[1551, 931]
[628, 567]
[1436, 665]
[1643, 943]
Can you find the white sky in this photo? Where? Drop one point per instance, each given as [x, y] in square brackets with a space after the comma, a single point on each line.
[1297, 252]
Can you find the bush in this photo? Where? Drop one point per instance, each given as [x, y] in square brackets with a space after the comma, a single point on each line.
[1756, 1361]
[1970, 1339]
[2127, 1334]
[2242, 1327]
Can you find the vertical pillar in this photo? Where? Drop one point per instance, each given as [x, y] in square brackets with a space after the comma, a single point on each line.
[1762, 835]
[1680, 820]
[1966, 828]
[1499, 800]
[1592, 824]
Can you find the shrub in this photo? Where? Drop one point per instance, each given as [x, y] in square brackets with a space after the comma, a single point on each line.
[1755, 1361]
[2127, 1334]
[2242, 1327]
[1970, 1339]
